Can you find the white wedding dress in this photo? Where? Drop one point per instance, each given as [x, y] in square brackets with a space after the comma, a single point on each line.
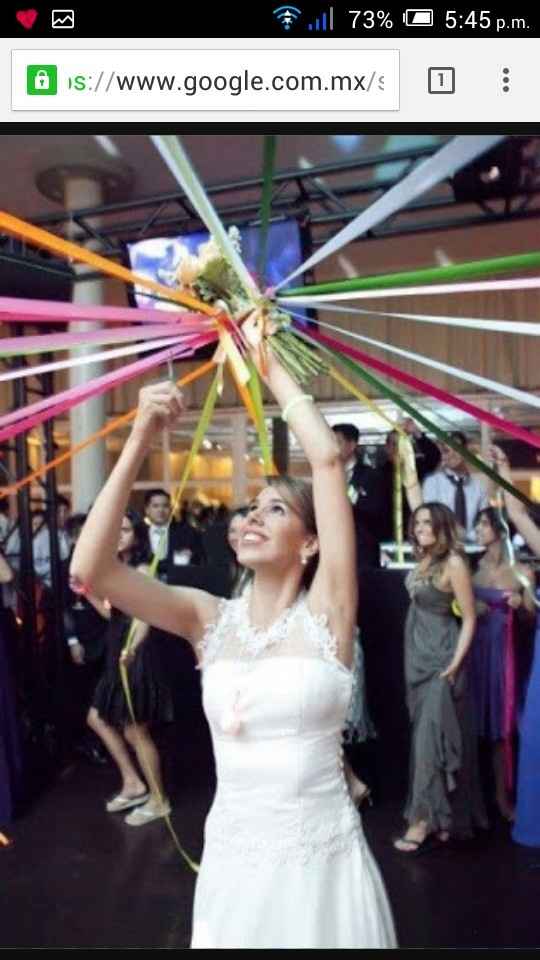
[285, 861]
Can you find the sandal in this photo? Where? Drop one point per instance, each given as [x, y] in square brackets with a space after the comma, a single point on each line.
[146, 814]
[120, 802]
[430, 842]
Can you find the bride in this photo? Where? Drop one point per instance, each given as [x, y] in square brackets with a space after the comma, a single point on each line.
[285, 861]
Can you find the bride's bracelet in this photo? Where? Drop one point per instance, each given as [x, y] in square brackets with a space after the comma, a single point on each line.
[303, 398]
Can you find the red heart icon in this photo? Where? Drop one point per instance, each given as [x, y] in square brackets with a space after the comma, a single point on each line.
[27, 18]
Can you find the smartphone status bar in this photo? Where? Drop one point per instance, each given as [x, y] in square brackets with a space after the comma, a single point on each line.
[270, 19]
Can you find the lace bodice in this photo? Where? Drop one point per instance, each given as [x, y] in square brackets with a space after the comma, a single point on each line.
[297, 632]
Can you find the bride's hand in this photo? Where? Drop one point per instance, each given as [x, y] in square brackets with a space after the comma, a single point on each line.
[160, 406]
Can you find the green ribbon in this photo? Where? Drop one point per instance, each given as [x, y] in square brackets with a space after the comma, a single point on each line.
[457, 271]
[400, 401]
[266, 202]
[202, 426]
[255, 392]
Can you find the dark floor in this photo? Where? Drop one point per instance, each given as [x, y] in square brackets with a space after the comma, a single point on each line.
[79, 877]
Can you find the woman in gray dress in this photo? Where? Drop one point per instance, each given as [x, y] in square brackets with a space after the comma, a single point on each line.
[444, 786]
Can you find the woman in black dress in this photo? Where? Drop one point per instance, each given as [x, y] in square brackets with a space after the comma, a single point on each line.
[109, 717]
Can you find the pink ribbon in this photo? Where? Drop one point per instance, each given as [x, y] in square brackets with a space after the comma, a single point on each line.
[19, 310]
[66, 341]
[498, 423]
[30, 416]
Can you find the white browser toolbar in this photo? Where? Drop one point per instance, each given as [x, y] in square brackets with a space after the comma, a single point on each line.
[401, 81]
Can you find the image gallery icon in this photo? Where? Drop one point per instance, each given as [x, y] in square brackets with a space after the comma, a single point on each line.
[63, 19]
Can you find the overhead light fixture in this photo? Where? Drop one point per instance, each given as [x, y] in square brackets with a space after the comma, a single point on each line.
[498, 173]
[348, 143]
[107, 145]
[441, 257]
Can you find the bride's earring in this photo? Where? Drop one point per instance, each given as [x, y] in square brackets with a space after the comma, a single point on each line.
[303, 559]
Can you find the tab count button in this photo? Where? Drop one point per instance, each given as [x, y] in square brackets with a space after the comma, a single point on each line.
[441, 80]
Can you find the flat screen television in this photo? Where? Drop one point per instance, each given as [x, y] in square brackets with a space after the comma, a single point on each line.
[158, 258]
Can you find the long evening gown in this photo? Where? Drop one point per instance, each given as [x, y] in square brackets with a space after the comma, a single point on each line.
[527, 823]
[444, 785]
[285, 861]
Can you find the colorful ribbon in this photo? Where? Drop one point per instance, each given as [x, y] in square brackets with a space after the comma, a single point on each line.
[72, 251]
[182, 170]
[80, 361]
[200, 431]
[21, 310]
[482, 286]
[405, 278]
[19, 421]
[528, 328]
[266, 203]
[111, 427]
[485, 382]
[498, 423]
[386, 391]
[53, 342]
[344, 382]
[254, 387]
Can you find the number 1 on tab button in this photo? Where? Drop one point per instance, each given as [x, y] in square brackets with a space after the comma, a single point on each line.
[441, 80]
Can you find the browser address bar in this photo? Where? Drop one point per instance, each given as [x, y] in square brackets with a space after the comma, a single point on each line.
[199, 80]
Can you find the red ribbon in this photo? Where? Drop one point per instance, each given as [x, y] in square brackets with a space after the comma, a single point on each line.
[498, 423]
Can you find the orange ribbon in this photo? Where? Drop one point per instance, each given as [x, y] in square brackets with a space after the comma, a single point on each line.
[42, 238]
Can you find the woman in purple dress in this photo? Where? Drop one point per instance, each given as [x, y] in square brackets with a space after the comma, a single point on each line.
[527, 817]
[499, 595]
[10, 759]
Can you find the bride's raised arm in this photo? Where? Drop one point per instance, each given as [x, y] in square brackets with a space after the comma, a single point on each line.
[334, 589]
[95, 565]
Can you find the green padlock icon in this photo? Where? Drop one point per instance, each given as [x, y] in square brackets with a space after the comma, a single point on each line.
[41, 79]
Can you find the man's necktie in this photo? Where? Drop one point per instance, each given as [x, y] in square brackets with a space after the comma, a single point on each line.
[460, 505]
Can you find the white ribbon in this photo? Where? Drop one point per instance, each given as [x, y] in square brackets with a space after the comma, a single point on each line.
[494, 385]
[89, 358]
[180, 166]
[450, 158]
[482, 286]
[529, 329]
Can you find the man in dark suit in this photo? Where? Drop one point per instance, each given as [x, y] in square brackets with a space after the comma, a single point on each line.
[364, 492]
[179, 545]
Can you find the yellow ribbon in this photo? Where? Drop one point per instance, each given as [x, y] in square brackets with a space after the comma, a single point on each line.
[408, 460]
[398, 508]
[227, 350]
[344, 382]
[204, 420]
[405, 475]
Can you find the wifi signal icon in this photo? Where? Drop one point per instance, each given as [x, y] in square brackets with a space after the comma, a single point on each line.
[286, 16]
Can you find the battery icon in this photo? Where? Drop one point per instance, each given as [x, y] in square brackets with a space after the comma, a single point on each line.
[418, 18]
